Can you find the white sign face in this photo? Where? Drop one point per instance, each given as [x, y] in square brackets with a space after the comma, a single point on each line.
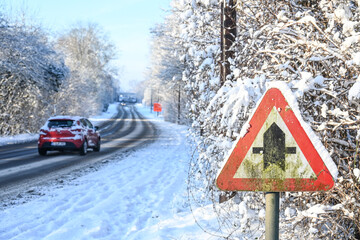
[262, 162]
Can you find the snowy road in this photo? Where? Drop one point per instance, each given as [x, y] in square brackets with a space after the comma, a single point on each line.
[136, 195]
[126, 130]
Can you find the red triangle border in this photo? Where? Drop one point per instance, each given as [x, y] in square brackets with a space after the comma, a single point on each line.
[274, 98]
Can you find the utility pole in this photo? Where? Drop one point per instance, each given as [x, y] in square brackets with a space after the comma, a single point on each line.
[151, 100]
[228, 35]
[158, 101]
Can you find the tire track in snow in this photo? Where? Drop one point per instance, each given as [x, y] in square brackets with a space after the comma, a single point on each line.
[117, 202]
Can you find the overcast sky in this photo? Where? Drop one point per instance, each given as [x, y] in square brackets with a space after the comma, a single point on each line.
[127, 23]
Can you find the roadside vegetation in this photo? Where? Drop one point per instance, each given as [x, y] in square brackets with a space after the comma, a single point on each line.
[312, 46]
[39, 77]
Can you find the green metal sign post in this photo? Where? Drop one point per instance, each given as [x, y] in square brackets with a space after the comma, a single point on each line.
[272, 215]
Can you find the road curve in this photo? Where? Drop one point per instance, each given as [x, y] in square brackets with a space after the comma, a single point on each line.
[20, 163]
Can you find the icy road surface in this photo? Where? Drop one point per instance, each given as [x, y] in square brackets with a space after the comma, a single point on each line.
[137, 195]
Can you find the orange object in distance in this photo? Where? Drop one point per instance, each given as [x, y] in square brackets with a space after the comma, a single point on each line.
[157, 107]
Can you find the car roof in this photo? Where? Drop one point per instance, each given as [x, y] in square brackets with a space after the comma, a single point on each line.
[75, 118]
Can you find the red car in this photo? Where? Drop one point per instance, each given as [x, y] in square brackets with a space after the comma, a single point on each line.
[68, 133]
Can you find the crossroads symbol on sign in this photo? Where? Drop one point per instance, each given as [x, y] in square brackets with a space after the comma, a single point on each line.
[274, 149]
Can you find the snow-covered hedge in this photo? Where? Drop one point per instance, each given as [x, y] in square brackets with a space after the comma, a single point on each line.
[312, 46]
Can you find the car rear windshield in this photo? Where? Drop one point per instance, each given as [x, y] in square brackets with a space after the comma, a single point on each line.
[60, 123]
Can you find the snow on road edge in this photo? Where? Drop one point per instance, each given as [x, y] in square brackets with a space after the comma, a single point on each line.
[142, 196]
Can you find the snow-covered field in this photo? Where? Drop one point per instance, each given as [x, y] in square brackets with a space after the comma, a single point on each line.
[138, 195]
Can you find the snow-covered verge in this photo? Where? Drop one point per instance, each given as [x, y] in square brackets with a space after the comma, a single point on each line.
[139, 195]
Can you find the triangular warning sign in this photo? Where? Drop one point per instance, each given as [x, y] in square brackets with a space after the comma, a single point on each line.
[276, 154]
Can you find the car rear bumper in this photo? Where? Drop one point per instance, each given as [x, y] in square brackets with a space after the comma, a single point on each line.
[67, 145]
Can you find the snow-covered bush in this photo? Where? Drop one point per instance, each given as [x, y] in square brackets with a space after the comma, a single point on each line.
[30, 73]
[312, 46]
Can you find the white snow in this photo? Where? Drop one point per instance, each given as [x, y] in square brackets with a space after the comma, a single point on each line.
[349, 41]
[4, 140]
[356, 58]
[139, 196]
[354, 92]
[357, 174]
[324, 109]
[206, 62]
[112, 109]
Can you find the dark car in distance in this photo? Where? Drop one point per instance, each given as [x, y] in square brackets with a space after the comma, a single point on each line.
[62, 133]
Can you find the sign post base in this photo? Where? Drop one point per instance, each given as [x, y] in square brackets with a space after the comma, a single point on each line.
[272, 216]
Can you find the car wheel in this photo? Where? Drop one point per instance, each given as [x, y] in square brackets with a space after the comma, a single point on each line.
[42, 152]
[97, 148]
[83, 149]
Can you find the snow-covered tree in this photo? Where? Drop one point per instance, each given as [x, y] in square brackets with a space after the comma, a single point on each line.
[164, 82]
[38, 80]
[88, 54]
[30, 73]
